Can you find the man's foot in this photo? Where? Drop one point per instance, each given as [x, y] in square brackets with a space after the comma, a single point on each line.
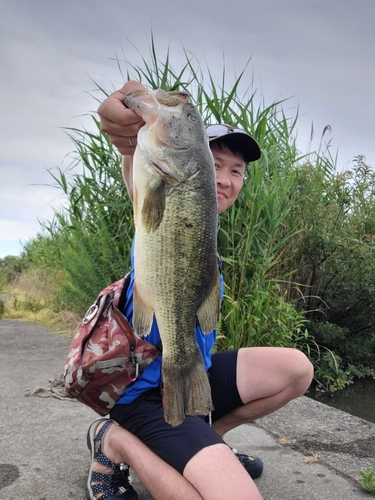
[253, 465]
[108, 485]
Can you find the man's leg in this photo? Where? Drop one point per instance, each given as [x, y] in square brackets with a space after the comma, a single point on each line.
[267, 379]
[217, 474]
[213, 473]
[160, 479]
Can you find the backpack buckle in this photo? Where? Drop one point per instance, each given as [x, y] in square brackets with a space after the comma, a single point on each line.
[127, 366]
[91, 312]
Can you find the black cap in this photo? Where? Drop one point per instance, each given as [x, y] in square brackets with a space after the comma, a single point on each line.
[236, 139]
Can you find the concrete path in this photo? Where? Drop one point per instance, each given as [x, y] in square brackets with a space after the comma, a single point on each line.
[43, 452]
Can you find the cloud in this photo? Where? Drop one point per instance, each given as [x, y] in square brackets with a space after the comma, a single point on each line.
[320, 53]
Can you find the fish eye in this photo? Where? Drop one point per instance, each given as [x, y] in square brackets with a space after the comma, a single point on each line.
[193, 118]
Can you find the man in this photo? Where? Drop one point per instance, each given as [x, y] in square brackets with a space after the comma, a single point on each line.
[191, 461]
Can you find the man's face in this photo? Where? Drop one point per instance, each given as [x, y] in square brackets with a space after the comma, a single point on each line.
[230, 171]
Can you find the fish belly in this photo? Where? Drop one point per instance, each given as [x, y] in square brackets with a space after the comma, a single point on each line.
[175, 273]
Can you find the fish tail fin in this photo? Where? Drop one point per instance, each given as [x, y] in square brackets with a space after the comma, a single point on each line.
[174, 390]
[186, 391]
[200, 401]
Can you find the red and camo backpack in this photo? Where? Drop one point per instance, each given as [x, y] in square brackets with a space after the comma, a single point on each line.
[106, 355]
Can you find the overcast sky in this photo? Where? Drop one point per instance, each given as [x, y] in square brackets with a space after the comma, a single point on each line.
[319, 53]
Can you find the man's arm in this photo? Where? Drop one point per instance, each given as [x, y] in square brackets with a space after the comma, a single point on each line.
[122, 125]
[127, 173]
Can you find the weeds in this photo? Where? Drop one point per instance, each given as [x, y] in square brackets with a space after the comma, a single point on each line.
[284, 227]
[368, 479]
[32, 297]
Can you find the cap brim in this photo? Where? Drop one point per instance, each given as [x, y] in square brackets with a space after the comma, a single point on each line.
[243, 143]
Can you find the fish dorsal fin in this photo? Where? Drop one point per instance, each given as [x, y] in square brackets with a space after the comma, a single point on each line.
[153, 207]
[142, 314]
[209, 310]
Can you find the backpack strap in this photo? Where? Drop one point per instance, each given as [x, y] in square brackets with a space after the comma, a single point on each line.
[122, 300]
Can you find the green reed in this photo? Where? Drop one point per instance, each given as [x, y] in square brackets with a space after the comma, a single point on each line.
[89, 240]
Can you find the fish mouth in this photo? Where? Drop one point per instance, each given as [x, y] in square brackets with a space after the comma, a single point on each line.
[152, 100]
[170, 146]
[163, 173]
[166, 173]
[171, 177]
[161, 167]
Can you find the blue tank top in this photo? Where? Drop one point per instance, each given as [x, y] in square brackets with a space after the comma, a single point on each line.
[151, 377]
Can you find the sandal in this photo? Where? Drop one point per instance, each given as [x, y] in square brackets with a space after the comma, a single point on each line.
[106, 486]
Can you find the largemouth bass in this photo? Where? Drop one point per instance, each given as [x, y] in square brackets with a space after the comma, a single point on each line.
[175, 259]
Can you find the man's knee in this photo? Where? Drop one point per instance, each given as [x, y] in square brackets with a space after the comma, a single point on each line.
[208, 472]
[301, 372]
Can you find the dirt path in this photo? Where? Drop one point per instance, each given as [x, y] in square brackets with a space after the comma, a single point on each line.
[43, 454]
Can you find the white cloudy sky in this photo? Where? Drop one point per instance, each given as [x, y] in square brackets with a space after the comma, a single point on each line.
[321, 53]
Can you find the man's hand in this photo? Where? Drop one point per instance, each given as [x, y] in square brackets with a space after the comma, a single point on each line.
[119, 122]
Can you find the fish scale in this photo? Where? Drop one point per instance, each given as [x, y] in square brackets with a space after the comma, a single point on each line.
[176, 276]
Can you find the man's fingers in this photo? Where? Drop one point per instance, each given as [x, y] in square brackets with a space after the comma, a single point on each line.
[125, 145]
[115, 129]
[132, 85]
[113, 109]
[119, 122]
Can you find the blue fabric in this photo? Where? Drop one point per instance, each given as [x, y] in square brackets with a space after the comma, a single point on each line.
[151, 377]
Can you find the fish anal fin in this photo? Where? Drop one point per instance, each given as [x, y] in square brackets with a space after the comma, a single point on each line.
[153, 207]
[142, 315]
[209, 310]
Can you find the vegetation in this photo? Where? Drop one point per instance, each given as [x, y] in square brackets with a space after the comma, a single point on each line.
[10, 267]
[333, 255]
[88, 243]
[297, 246]
[368, 479]
[30, 295]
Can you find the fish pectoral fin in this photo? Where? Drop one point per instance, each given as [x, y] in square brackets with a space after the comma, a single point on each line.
[142, 315]
[209, 310]
[153, 207]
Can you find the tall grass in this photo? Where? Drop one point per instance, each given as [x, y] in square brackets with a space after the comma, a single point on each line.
[297, 246]
[89, 240]
[253, 235]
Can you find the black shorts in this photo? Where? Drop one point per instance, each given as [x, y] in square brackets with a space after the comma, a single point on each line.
[177, 445]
